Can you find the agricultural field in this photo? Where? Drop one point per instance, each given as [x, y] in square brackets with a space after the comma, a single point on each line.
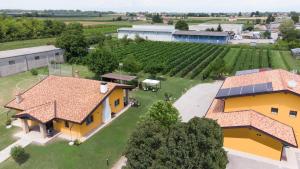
[189, 60]
[202, 61]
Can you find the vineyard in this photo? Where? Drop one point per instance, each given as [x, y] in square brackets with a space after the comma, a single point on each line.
[192, 60]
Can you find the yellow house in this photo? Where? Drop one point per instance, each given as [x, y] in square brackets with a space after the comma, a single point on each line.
[259, 112]
[73, 106]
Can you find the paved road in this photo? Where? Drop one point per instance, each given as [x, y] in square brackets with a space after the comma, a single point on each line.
[196, 101]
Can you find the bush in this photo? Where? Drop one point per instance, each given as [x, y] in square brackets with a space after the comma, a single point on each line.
[8, 122]
[77, 142]
[34, 72]
[18, 154]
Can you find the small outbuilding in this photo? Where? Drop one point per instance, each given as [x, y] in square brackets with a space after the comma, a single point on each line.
[20, 60]
[119, 78]
[296, 53]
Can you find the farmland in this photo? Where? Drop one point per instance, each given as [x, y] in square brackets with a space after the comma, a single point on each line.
[201, 61]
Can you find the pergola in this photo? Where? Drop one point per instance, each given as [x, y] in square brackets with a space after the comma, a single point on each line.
[114, 77]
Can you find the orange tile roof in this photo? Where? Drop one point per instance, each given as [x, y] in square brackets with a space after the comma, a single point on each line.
[279, 79]
[251, 118]
[75, 98]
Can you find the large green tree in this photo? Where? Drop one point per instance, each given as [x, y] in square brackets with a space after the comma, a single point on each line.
[157, 18]
[143, 144]
[181, 25]
[288, 30]
[295, 17]
[196, 144]
[164, 113]
[130, 64]
[101, 61]
[73, 41]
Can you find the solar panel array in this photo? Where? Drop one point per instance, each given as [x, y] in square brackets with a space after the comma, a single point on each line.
[245, 90]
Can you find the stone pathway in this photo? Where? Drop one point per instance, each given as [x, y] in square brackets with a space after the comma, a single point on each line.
[5, 153]
[121, 163]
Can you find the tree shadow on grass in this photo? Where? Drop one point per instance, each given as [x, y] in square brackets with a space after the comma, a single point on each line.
[23, 159]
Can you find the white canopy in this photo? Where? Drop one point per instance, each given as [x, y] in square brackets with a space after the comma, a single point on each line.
[151, 82]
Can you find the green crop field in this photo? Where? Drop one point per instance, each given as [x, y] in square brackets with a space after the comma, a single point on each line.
[178, 59]
[200, 61]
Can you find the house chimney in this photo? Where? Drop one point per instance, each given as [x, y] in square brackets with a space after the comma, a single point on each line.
[103, 87]
[18, 97]
[76, 74]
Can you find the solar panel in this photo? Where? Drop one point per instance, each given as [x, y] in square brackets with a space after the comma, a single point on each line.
[247, 89]
[235, 91]
[263, 87]
[223, 92]
[244, 90]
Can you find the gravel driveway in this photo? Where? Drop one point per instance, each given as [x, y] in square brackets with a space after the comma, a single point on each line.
[196, 101]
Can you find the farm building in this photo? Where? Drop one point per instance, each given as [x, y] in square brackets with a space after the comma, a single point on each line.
[149, 32]
[235, 28]
[20, 60]
[296, 53]
[169, 33]
[201, 37]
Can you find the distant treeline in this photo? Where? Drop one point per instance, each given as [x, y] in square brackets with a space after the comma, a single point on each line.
[53, 13]
[28, 28]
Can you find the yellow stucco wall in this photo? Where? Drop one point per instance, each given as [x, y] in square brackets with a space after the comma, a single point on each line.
[285, 102]
[252, 141]
[78, 130]
[116, 94]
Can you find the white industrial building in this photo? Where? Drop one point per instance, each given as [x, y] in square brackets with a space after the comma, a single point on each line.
[20, 60]
[235, 28]
[149, 32]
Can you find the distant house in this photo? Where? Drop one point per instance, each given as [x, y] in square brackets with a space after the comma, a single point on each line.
[234, 28]
[20, 60]
[296, 53]
[71, 106]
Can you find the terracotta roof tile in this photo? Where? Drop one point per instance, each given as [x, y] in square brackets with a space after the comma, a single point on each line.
[279, 79]
[75, 97]
[253, 119]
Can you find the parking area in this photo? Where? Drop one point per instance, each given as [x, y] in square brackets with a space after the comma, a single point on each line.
[196, 101]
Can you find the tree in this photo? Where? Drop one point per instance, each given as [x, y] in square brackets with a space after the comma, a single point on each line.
[181, 25]
[267, 34]
[164, 113]
[73, 42]
[197, 144]
[295, 17]
[219, 28]
[130, 64]
[143, 143]
[101, 61]
[240, 14]
[270, 19]
[287, 30]
[97, 38]
[119, 18]
[157, 18]
[138, 39]
[170, 22]
[258, 21]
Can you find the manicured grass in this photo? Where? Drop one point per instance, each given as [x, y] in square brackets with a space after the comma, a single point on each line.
[277, 61]
[230, 58]
[292, 63]
[109, 143]
[26, 43]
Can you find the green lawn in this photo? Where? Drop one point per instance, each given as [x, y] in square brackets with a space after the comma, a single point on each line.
[108, 143]
[26, 43]
[292, 63]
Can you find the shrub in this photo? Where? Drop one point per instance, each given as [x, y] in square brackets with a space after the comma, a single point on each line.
[18, 154]
[8, 122]
[77, 142]
[34, 72]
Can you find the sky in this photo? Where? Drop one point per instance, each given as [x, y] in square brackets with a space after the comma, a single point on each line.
[157, 5]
